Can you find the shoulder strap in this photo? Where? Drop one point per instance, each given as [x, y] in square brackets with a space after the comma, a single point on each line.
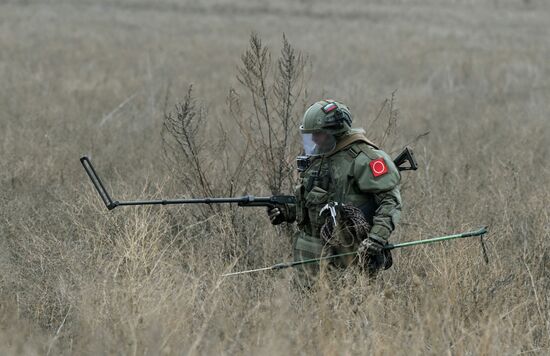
[350, 139]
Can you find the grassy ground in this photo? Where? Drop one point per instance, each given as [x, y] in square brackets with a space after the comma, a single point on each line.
[96, 77]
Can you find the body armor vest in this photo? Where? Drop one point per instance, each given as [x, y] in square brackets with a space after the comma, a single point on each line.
[330, 178]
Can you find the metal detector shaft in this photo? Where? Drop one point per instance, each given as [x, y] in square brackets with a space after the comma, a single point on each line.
[247, 200]
[283, 265]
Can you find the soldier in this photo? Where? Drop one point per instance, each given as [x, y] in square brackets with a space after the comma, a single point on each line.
[341, 166]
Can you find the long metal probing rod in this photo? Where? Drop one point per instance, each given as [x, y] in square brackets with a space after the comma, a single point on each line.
[283, 265]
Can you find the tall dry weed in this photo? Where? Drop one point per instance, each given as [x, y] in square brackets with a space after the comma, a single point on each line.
[78, 279]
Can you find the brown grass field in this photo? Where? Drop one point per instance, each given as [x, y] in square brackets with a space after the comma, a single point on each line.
[100, 77]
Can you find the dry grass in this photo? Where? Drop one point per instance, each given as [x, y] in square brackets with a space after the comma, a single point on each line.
[93, 76]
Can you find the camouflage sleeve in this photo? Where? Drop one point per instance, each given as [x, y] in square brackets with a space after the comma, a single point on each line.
[385, 189]
[387, 214]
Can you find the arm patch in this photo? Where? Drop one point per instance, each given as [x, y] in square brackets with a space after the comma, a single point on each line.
[372, 176]
[378, 167]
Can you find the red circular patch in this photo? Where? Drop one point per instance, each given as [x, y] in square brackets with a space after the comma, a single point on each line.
[378, 167]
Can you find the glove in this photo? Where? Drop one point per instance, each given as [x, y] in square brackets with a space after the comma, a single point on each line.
[277, 214]
[371, 246]
[371, 250]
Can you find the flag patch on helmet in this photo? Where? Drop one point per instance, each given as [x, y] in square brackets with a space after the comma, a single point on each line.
[329, 107]
[378, 167]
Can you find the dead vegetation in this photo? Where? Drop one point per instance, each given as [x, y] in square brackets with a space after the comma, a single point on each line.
[77, 279]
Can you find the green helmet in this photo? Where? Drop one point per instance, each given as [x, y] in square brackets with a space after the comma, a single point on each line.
[326, 116]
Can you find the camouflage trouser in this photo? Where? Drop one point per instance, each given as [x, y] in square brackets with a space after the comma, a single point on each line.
[308, 247]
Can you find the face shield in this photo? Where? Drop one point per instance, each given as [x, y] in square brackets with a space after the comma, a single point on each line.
[318, 143]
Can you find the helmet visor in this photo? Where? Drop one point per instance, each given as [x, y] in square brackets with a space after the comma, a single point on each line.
[318, 143]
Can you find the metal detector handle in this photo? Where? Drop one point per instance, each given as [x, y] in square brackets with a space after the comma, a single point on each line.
[98, 184]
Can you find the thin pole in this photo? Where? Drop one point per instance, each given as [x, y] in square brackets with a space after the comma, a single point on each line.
[283, 265]
[478, 232]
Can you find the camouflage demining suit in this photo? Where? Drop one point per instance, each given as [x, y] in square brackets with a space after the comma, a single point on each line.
[343, 166]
